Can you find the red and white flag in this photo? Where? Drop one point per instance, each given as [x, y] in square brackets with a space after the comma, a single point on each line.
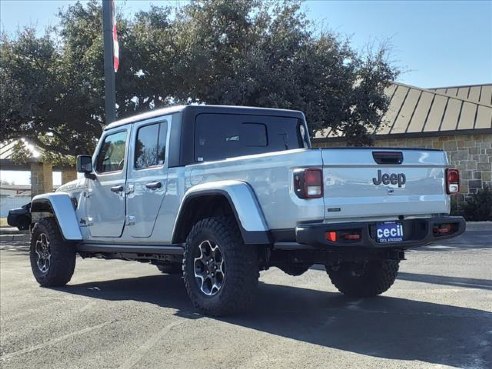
[116, 46]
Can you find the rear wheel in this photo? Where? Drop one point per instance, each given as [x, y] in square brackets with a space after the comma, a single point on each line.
[219, 271]
[52, 258]
[364, 279]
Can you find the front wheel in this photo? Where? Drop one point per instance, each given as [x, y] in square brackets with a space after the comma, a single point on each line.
[220, 272]
[52, 258]
[364, 279]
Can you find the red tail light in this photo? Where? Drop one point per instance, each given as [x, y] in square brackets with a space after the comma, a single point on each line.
[452, 181]
[308, 183]
[331, 236]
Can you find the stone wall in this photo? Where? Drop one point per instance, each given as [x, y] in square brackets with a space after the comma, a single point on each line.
[471, 154]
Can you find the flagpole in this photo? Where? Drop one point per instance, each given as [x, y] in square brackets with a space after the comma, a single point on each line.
[109, 74]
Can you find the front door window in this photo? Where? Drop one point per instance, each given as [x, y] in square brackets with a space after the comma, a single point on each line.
[111, 157]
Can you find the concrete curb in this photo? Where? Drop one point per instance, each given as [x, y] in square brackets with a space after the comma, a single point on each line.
[9, 234]
[11, 230]
[21, 237]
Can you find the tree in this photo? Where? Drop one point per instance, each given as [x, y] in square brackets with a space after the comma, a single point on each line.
[51, 85]
[246, 52]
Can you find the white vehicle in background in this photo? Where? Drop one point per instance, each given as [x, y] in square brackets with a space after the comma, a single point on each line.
[219, 193]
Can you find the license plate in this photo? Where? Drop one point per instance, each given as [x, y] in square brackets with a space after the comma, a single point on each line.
[389, 232]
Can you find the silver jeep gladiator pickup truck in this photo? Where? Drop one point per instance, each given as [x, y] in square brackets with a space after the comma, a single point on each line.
[219, 193]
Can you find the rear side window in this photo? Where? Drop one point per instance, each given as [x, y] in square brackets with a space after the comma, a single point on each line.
[150, 147]
[221, 136]
[111, 157]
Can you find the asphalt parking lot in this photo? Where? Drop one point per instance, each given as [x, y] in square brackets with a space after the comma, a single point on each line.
[117, 314]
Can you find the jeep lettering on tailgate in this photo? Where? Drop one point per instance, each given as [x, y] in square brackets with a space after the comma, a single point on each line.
[400, 179]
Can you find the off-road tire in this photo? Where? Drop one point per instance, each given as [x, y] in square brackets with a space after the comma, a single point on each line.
[240, 263]
[171, 268]
[376, 278]
[62, 260]
[295, 269]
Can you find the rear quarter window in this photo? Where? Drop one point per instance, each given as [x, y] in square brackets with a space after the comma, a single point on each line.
[221, 136]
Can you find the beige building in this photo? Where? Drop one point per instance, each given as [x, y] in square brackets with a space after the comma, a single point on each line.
[455, 119]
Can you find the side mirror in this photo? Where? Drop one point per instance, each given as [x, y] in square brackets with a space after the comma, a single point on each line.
[84, 164]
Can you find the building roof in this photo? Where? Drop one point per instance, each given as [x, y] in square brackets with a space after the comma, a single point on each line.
[34, 155]
[414, 110]
[7, 148]
[477, 93]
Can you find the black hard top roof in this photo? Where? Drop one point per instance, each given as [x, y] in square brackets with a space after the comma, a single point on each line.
[198, 109]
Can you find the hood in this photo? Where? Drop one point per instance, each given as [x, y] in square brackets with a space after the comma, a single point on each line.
[71, 186]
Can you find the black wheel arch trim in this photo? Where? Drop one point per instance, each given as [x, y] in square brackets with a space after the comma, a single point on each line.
[249, 237]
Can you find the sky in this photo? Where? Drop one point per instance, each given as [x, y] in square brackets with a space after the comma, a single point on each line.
[434, 43]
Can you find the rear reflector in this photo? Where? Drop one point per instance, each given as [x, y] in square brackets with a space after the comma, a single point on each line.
[334, 236]
[452, 181]
[443, 229]
[352, 236]
[331, 236]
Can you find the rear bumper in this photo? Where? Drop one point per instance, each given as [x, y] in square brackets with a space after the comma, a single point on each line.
[418, 232]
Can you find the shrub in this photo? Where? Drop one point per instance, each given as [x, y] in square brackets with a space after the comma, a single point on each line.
[456, 205]
[479, 205]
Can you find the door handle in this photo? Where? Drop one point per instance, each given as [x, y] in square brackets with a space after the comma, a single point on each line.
[117, 188]
[153, 185]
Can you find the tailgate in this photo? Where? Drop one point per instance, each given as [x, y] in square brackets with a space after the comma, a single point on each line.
[372, 183]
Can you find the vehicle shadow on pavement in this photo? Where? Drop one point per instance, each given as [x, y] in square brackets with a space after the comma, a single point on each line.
[385, 327]
[484, 284]
[161, 290]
